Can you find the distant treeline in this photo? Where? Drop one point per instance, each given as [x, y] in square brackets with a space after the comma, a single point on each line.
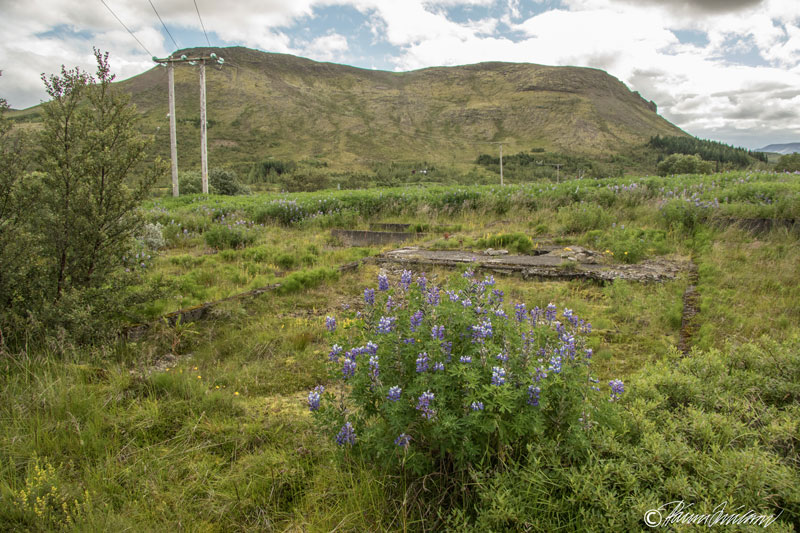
[707, 150]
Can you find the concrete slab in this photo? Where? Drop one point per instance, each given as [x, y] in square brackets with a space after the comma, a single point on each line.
[559, 263]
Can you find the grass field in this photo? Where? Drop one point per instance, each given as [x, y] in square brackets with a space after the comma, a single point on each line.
[204, 426]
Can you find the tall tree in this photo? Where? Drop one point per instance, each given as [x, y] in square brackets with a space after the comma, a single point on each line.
[93, 184]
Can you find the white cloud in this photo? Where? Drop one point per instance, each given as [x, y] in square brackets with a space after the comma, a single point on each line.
[331, 47]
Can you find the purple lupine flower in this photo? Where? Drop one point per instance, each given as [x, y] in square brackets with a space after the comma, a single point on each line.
[394, 393]
[330, 323]
[416, 320]
[371, 348]
[437, 332]
[496, 297]
[349, 368]
[383, 282]
[589, 353]
[500, 313]
[540, 374]
[476, 406]
[346, 435]
[466, 302]
[405, 279]
[432, 296]
[374, 369]
[571, 317]
[502, 356]
[314, 397]
[410, 340]
[482, 331]
[535, 315]
[369, 296]
[468, 274]
[617, 388]
[422, 281]
[452, 295]
[423, 404]
[390, 304]
[520, 312]
[386, 324]
[465, 359]
[533, 395]
[550, 312]
[403, 440]
[333, 356]
[438, 366]
[498, 376]
[555, 364]
[422, 362]
[447, 348]
[488, 281]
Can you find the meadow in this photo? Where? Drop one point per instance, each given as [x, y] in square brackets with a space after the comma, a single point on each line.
[206, 426]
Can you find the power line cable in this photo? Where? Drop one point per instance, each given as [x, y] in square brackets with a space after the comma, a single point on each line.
[201, 23]
[165, 26]
[129, 31]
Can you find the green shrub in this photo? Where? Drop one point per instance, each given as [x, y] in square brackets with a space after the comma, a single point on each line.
[788, 163]
[629, 245]
[220, 236]
[306, 279]
[515, 242]
[286, 261]
[684, 164]
[472, 391]
[582, 216]
[680, 215]
[226, 182]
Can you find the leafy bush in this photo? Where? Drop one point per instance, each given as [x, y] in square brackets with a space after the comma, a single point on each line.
[679, 215]
[152, 236]
[220, 181]
[220, 236]
[515, 242]
[445, 381]
[684, 164]
[788, 163]
[226, 182]
[583, 216]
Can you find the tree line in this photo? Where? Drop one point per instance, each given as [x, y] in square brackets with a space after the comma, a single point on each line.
[707, 150]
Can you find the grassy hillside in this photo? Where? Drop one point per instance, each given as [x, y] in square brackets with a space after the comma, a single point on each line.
[262, 104]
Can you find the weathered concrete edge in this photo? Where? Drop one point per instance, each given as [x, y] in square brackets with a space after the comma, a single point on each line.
[545, 273]
[200, 311]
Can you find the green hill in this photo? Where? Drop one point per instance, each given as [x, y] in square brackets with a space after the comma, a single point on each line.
[263, 104]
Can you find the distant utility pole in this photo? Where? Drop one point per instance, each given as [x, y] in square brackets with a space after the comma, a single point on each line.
[170, 63]
[501, 160]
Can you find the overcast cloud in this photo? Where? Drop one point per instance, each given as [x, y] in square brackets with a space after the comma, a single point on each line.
[721, 69]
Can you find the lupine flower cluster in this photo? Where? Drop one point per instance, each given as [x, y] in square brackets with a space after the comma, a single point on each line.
[330, 323]
[617, 388]
[517, 367]
[314, 397]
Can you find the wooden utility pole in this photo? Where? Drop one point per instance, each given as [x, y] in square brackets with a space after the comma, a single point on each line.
[173, 142]
[170, 63]
[203, 125]
[501, 160]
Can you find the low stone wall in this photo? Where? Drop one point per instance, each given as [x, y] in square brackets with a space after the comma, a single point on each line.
[373, 238]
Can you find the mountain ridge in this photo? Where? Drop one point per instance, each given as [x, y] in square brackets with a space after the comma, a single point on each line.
[263, 105]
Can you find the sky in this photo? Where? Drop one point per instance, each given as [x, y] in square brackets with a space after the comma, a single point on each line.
[727, 70]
